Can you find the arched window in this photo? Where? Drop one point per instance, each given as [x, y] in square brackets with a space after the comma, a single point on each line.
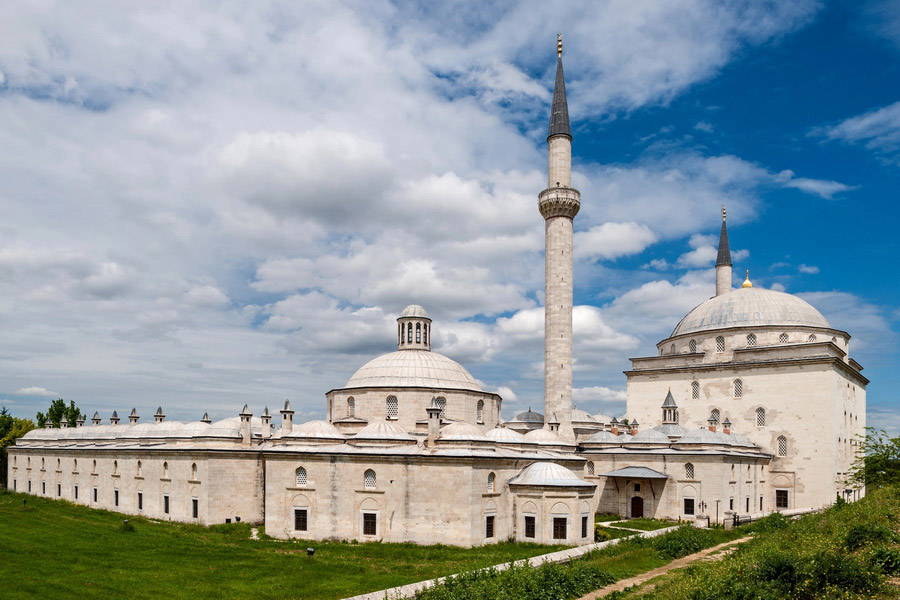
[490, 482]
[695, 389]
[689, 470]
[672, 349]
[42, 464]
[811, 338]
[760, 417]
[783, 338]
[479, 412]
[58, 464]
[751, 339]
[590, 467]
[720, 344]
[409, 333]
[165, 470]
[300, 474]
[351, 406]
[662, 350]
[782, 445]
[75, 465]
[693, 346]
[194, 472]
[715, 415]
[369, 478]
[115, 467]
[94, 467]
[392, 407]
[418, 333]
[402, 333]
[738, 388]
[442, 404]
[140, 466]
[28, 462]
[425, 333]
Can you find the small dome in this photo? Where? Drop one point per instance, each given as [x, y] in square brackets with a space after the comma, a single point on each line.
[544, 437]
[601, 418]
[604, 437]
[414, 310]
[529, 416]
[502, 435]
[548, 474]
[383, 430]
[318, 430]
[649, 436]
[671, 429]
[581, 416]
[747, 307]
[413, 368]
[461, 431]
[701, 436]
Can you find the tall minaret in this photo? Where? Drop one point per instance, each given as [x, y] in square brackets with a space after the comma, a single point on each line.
[723, 261]
[558, 204]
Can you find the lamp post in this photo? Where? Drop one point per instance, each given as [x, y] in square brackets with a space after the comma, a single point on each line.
[717, 510]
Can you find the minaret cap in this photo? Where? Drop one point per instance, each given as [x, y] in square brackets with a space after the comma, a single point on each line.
[723, 258]
[559, 115]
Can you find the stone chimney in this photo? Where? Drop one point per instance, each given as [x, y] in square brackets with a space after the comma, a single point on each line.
[246, 434]
[287, 418]
[726, 426]
[614, 426]
[554, 424]
[79, 422]
[266, 423]
[712, 422]
[95, 420]
[434, 421]
[634, 427]
[206, 419]
[159, 416]
[133, 418]
[64, 422]
[114, 418]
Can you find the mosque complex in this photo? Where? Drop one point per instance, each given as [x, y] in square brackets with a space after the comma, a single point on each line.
[752, 405]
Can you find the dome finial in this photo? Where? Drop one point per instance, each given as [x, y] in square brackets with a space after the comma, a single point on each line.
[747, 283]
[558, 44]
[723, 212]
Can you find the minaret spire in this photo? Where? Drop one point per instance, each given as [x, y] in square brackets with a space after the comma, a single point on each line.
[558, 204]
[723, 261]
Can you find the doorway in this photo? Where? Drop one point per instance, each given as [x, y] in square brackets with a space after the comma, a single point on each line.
[637, 507]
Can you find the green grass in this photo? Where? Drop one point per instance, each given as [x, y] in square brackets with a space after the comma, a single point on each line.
[54, 549]
[606, 517]
[645, 524]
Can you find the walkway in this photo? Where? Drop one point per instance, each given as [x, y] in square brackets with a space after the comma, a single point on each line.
[622, 584]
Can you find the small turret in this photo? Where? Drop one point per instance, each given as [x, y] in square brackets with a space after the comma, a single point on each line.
[133, 418]
[287, 418]
[413, 329]
[266, 423]
[726, 425]
[95, 420]
[245, 415]
[64, 422]
[670, 410]
[614, 426]
[634, 427]
[159, 416]
[434, 421]
[79, 422]
[723, 261]
[712, 422]
[114, 418]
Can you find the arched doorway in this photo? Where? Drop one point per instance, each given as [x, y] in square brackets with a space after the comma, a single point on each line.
[637, 507]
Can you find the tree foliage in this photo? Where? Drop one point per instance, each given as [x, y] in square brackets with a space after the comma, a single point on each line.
[877, 461]
[11, 428]
[57, 410]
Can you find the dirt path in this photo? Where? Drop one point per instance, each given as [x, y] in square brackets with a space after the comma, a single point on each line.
[675, 564]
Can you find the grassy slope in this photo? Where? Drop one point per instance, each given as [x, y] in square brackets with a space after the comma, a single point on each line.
[55, 549]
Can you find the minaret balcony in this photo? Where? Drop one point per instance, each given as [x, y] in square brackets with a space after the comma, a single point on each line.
[559, 202]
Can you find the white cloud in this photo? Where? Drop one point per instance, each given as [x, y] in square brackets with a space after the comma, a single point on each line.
[36, 391]
[878, 129]
[809, 269]
[612, 240]
[704, 126]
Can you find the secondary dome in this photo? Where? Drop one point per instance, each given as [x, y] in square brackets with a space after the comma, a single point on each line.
[748, 307]
[529, 416]
[413, 368]
[548, 474]
[414, 310]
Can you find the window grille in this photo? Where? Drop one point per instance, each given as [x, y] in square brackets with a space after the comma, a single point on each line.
[689, 470]
[695, 389]
[140, 500]
[738, 388]
[781, 498]
[530, 527]
[369, 478]
[811, 338]
[692, 345]
[392, 407]
[751, 339]
[442, 404]
[351, 406]
[301, 519]
[370, 524]
[760, 417]
[489, 526]
[490, 482]
[301, 476]
[590, 468]
[559, 528]
[783, 338]
[782, 445]
[584, 526]
[479, 412]
[720, 344]
[715, 415]
[195, 508]
[166, 504]
[688, 506]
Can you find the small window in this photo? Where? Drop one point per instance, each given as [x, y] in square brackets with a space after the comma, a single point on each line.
[42, 464]
[195, 508]
[140, 499]
[751, 339]
[490, 482]
[166, 504]
[96, 495]
[75, 492]
[782, 445]
[689, 506]
[369, 478]
[731, 504]
[783, 338]
[94, 467]
[760, 417]
[194, 472]
[58, 464]
[584, 526]
[590, 467]
[301, 476]
[695, 390]
[59, 490]
[720, 344]
[530, 527]
[672, 349]
[14, 485]
[392, 407]
[29, 486]
[44, 488]
[479, 412]
[781, 498]
[165, 470]
[689, 470]
[559, 528]
[115, 497]
[692, 345]
[489, 526]
[140, 468]
[301, 519]
[370, 524]
[115, 467]
[760, 503]
[738, 388]
[715, 415]
[351, 406]
[442, 404]
[747, 504]
[811, 338]
[637, 487]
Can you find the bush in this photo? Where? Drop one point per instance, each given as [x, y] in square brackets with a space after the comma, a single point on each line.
[886, 559]
[683, 541]
[862, 533]
[828, 569]
[601, 534]
[779, 568]
[126, 526]
[774, 522]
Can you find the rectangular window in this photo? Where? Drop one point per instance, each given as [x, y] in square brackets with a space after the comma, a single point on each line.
[44, 488]
[195, 508]
[301, 519]
[731, 504]
[489, 527]
[75, 492]
[166, 504]
[748, 505]
[529, 527]
[584, 526]
[370, 524]
[559, 528]
[760, 503]
[95, 495]
[781, 498]
[14, 485]
[116, 497]
[637, 487]
[688, 506]
[58, 489]
[29, 486]
[140, 500]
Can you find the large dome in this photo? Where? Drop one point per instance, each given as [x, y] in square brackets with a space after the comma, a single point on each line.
[748, 307]
[413, 368]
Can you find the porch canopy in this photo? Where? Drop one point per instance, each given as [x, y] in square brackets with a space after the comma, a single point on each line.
[636, 473]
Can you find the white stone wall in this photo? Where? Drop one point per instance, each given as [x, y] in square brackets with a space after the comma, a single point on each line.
[559, 162]
[558, 324]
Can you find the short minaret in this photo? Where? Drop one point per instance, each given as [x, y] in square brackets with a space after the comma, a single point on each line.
[159, 416]
[559, 204]
[114, 418]
[434, 421]
[723, 261]
[413, 329]
[670, 410]
[133, 417]
[245, 415]
[266, 423]
[95, 420]
[287, 418]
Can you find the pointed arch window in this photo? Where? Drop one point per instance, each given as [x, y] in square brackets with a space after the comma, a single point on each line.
[672, 349]
[695, 390]
[760, 417]
[442, 404]
[491, 480]
[300, 476]
[402, 333]
[715, 415]
[479, 412]
[409, 333]
[783, 338]
[393, 408]
[738, 388]
[689, 470]
[418, 333]
[693, 346]
[590, 467]
[425, 333]
[782, 445]
[811, 338]
[720, 344]
[751, 339]
[165, 470]
[351, 406]
[194, 472]
[369, 479]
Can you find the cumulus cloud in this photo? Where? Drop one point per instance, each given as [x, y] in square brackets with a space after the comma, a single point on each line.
[36, 391]
[612, 240]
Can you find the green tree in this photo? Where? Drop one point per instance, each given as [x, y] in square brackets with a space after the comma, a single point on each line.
[11, 428]
[57, 411]
[877, 461]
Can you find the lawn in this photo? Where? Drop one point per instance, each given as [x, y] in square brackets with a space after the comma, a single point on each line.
[644, 524]
[54, 549]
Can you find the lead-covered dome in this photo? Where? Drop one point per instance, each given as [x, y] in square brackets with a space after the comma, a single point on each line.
[413, 368]
[749, 307]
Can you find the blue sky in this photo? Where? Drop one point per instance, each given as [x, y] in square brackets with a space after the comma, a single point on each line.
[208, 206]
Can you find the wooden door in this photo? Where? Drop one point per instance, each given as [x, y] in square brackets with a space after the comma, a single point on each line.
[637, 507]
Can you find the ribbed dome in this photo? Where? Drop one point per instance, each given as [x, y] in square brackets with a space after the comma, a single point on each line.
[747, 307]
[581, 416]
[503, 435]
[461, 431]
[529, 416]
[319, 430]
[604, 437]
[648, 436]
[548, 474]
[413, 368]
[414, 310]
[701, 436]
[671, 429]
[383, 430]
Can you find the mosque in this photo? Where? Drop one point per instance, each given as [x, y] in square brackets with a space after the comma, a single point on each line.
[755, 400]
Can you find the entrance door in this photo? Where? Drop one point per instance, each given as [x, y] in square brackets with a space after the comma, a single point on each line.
[637, 507]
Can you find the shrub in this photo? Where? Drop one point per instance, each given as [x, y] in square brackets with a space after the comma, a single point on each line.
[774, 522]
[780, 568]
[887, 560]
[683, 541]
[601, 534]
[829, 569]
[862, 533]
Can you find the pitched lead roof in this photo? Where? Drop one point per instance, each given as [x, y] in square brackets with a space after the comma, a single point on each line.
[724, 256]
[559, 115]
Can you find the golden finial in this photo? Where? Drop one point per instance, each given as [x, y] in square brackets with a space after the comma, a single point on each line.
[747, 283]
[558, 44]
[723, 212]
